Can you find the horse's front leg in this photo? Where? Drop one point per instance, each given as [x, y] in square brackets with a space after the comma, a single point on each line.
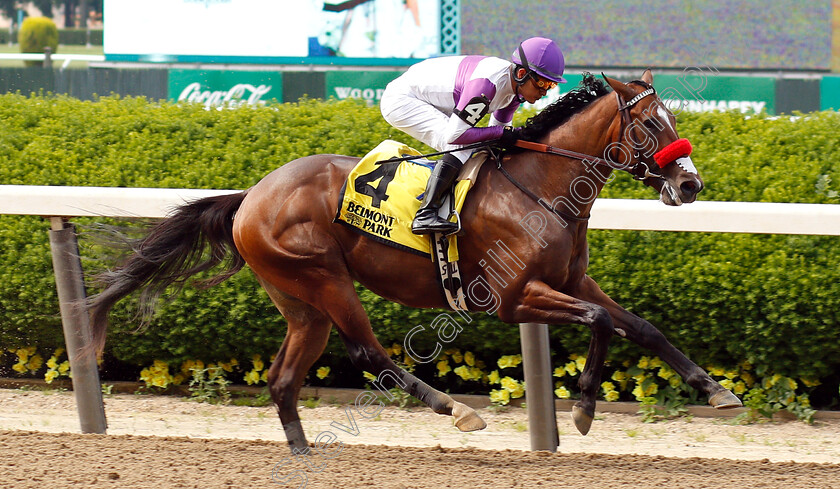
[646, 335]
[542, 304]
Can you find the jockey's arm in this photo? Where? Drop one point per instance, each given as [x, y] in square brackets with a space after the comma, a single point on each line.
[472, 105]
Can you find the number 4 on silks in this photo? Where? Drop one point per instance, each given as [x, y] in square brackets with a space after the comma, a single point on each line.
[475, 109]
[386, 170]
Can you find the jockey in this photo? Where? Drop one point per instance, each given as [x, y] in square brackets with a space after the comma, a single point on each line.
[439, 101]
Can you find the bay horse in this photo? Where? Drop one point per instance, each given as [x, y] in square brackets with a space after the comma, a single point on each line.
[283, 229]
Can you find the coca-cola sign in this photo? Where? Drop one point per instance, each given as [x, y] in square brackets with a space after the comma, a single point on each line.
[225, 88]
[239, 94]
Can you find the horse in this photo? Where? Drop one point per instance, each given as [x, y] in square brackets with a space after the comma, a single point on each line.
[283, 228]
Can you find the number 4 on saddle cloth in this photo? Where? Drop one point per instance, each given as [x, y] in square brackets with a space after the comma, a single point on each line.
[381, 197]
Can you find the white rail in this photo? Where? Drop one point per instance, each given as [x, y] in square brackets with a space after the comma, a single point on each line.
[719, 217]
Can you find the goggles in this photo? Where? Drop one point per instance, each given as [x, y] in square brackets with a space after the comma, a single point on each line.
[542, 82]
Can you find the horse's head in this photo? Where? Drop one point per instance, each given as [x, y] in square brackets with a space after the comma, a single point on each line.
[649, 147]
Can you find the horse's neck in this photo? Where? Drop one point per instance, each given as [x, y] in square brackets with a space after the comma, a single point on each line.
[572, 185]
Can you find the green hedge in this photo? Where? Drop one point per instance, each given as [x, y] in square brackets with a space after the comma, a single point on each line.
[722, 298]
[76, 37]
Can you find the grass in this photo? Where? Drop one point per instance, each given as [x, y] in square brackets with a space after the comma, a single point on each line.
[62, 49]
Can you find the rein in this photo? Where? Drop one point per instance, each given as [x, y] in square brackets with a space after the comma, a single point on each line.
[637, 172]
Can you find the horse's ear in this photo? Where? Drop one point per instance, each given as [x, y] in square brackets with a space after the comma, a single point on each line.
[647, 77]
[619, 87]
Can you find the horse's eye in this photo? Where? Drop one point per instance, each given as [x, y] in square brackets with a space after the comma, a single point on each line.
[652, 124]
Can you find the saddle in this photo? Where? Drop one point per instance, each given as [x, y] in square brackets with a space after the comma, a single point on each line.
[380, 198]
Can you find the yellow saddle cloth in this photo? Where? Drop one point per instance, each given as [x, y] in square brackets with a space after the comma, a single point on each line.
[380, 198]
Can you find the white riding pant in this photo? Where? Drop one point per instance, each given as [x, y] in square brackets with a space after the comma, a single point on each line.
[419, 120]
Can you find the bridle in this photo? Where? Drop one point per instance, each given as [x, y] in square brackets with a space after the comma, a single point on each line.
[640, 171]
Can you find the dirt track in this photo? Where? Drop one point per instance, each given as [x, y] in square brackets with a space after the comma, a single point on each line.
[211, 458]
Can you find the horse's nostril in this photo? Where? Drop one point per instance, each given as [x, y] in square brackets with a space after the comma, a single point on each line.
[689, 187]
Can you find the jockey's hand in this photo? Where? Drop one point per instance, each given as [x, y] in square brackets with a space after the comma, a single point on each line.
[509, 137]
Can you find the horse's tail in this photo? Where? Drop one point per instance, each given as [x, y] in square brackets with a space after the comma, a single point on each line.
[171, 251]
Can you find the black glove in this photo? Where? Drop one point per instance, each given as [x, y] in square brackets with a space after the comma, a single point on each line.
[509, 137]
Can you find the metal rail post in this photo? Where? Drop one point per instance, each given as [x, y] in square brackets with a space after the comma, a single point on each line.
[539, 395]
[76, 324]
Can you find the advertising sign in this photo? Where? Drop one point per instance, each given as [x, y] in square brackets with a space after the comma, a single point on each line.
[367, 85]
[269, 31]
[220, 88]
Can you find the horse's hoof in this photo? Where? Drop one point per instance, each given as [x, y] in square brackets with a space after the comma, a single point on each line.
[466, 419]
[724, 400]
[583, 421]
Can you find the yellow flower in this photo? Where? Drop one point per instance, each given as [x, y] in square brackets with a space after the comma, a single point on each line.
[500, 396]
[580, 362]
[469, 359]
[674, 381]
[443, 368]
[644, 362]
[607, 386]
[666, 373]
[160, 366]
[35, 363]
[717, 372]
[516, 389]
[369, 375]
[803, 401]
[50, 376]
[559, 372]
[397, 349]
[790, 382]
[476, 373]
[64, 367]
[22, 354]
[727, 384]
[618, 376]
[571, 368]
[145, 375]
[656, 362]
[509, 383]
[562, 393]
[748, 379]
[464, 372]
[640, 378]
[19, 367]
[252, 377]
[264, 376]
[407, 360]
[638, 392]
[651, 390]
[810, 382]
[509, 361]
[52, 362]
[730, 374]
[258, 363]
[740, 387]
[457, 357]
[611, 396]
[178, 379]
[322, 372]
[493, 378]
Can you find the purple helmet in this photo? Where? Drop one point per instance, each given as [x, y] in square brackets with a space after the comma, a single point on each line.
[542, 56]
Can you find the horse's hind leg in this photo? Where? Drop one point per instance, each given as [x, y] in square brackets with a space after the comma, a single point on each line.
[367, 354]
[646, 335]
[306, 337]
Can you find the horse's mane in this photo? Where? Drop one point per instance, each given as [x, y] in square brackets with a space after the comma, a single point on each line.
[589, 90]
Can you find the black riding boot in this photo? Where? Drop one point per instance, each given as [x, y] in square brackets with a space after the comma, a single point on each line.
[443, 177]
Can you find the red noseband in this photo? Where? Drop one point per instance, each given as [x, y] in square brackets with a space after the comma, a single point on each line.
[677, 149]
